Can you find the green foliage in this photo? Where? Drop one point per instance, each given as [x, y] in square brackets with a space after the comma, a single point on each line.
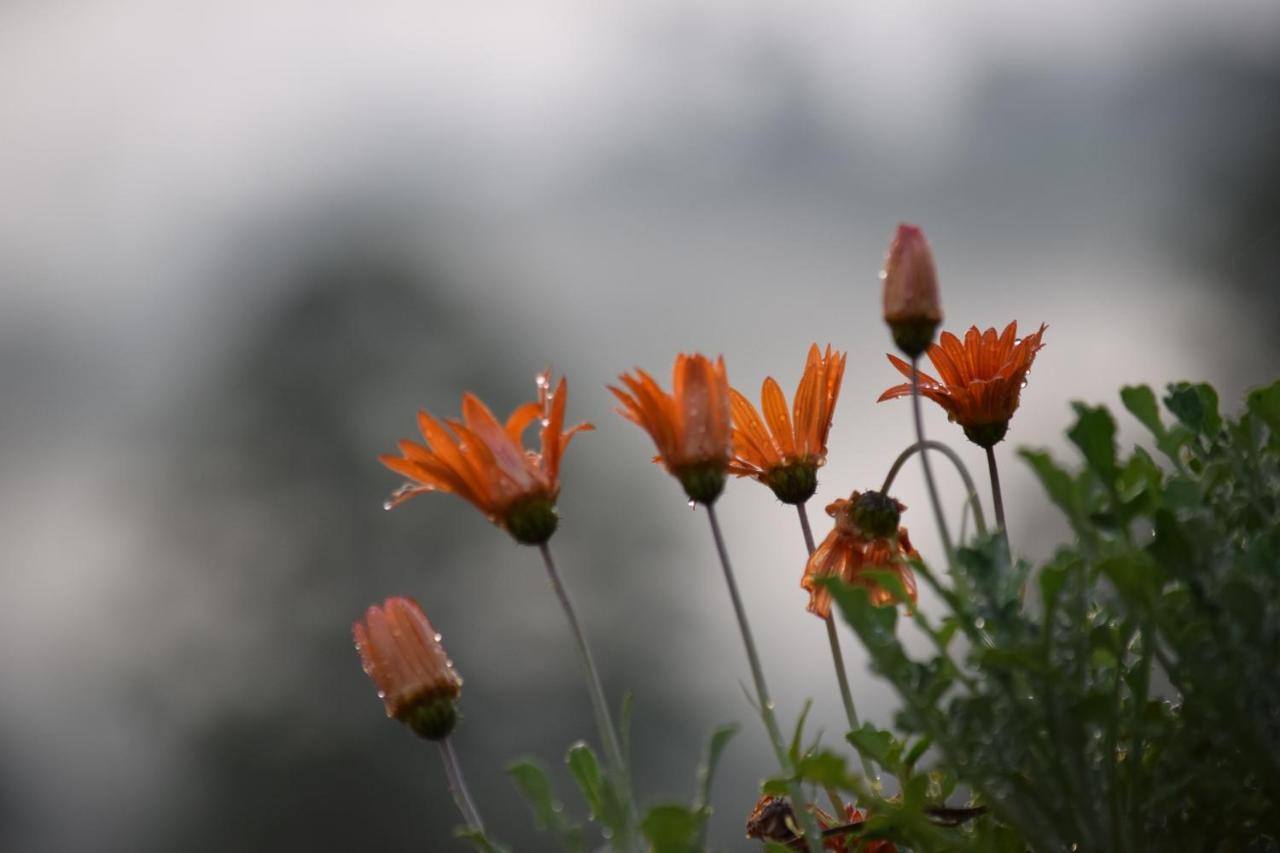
[1132, 702]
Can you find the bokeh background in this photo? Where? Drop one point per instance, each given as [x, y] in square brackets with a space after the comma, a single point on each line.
[242, 241]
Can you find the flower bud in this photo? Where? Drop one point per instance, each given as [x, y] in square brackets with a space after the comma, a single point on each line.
[911, 305]
[401, 652]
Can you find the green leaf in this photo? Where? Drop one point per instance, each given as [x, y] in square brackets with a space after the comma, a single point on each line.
[1140, 400]
[1062, 489]
[624, 724]
[603, 800]
[825, 769]
[535, 787]
[1095, 434]
[1264, 403]
[479, 840]
[706, 770]
[872, 742]
[1196, 405]
[798, 735]
[1052, 578]
[1133, 575]
[672, 828]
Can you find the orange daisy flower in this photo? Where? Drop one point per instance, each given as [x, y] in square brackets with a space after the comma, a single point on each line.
[859, 542]
[982, 379]
[690, 426]
[401, 652]
[786, 454]
[485, 462]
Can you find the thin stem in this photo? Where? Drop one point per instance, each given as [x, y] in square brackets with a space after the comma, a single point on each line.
[997, 498]
[600, 705]
[980, 520]
[458, 786]
[924, 461]
[812, 836]
[837, 655]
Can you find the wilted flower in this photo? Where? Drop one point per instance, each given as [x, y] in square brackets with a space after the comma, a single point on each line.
[773, 819]
[786, 454]
[690, 426]
[851, 550]
[401, 652]
[982, 379]
[485, 462]
[911, 306]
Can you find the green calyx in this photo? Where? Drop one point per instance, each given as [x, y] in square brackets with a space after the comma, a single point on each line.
[532, 521]
[986, 435]
[432, 718]
[876, 515]
[913, 336]
[794, 483]
[703, 481]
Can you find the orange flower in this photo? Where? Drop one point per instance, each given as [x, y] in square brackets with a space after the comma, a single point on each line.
[773, 819]
[911, 306]
[690, 426]
[982, 379]
[850, 550]
[786, 454]
[402, 654]
[485, 462]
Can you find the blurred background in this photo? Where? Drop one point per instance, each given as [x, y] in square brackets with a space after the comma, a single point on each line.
[241, 243]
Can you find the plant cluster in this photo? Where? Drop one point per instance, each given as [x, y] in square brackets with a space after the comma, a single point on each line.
[1120, 697]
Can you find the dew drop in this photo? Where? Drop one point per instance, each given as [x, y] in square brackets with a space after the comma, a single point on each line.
[382, 694]
[1024, 383]
[388, 505]
[693, 504]
[1017, 342]
[438, 638]
[542, 380]
[546, 422]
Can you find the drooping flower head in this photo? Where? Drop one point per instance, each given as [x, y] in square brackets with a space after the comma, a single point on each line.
[485, 462]
[401, 652]
[862, 540]
[785, 452]
[773, 819]
[911, 305]
[690, 426]
[981, 379]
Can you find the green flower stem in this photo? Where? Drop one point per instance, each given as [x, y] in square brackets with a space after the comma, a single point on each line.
[600, 705]
[980, 520]
[837, 656]
[458, 786]
[928, 469]
[997, 498]
[812, 836]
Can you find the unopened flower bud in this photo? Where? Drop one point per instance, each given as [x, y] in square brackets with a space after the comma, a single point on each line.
[911, 305]
[416, 681]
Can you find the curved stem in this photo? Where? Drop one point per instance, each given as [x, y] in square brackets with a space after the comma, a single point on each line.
[924, 461]
[600, 705]
[837, 655]
[812, 836]
[996, 497]
[458, 786]
[979, 518]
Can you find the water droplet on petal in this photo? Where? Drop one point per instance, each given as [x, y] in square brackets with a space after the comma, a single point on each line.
[546, 422]
[543, 380]
[693, 504]
[388, 504]
[439, 637]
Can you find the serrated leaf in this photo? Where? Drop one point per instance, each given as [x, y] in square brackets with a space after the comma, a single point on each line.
[872, 742]
[1061, 487]
[1140, 400]
[1094, 433]
[602, 798]
[1196, 405]
[1264, 403]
